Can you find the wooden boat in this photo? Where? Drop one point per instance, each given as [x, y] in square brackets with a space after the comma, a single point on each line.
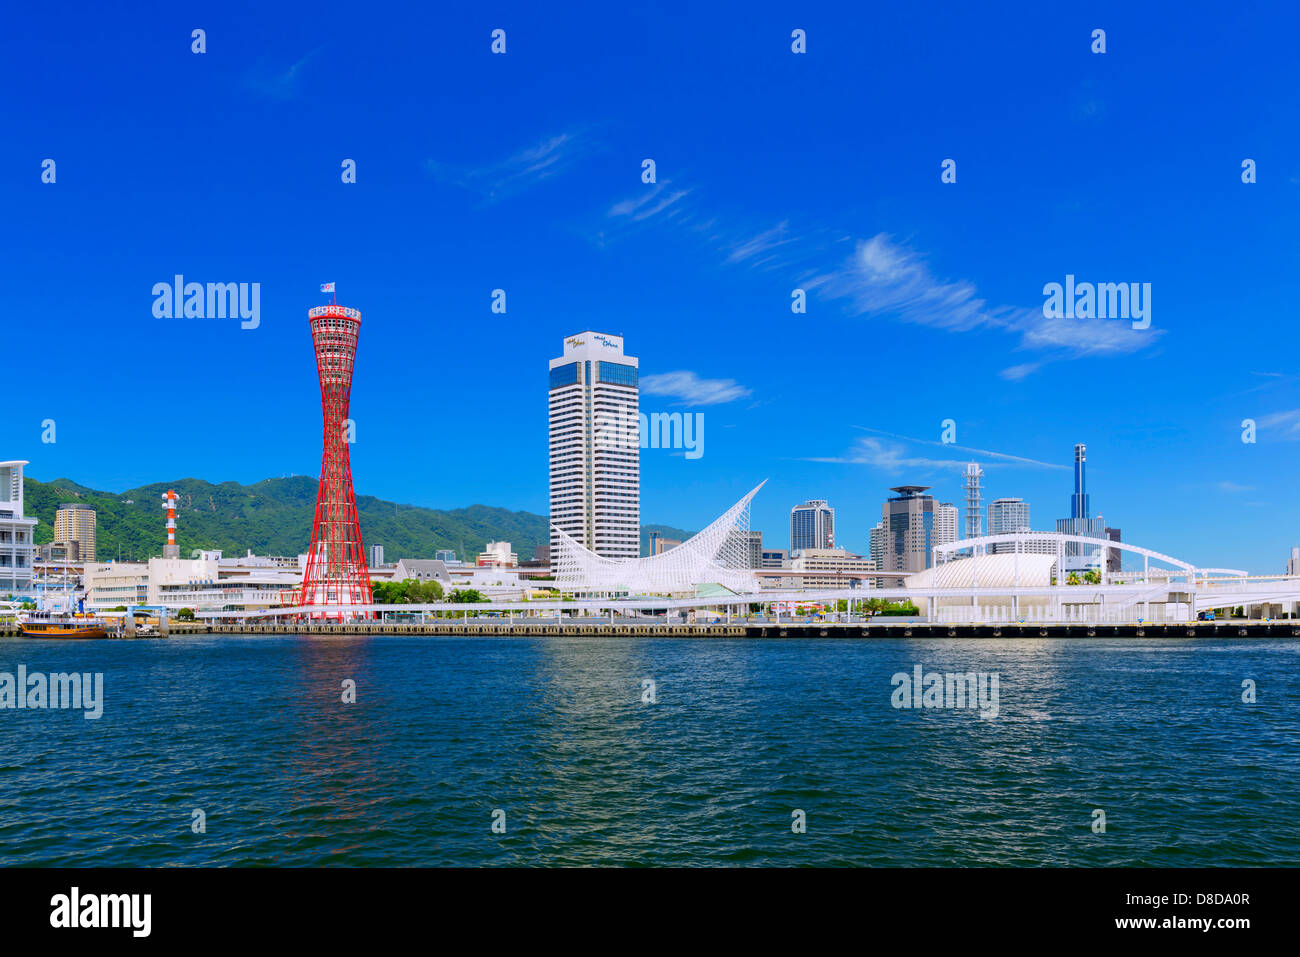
[63, 626]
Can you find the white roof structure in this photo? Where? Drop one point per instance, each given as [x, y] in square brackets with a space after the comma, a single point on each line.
[1026, 570]
[718, 555]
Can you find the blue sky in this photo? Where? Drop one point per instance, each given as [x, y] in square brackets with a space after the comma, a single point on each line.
[775, 171]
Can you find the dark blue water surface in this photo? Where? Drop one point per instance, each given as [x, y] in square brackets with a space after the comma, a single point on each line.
[553, 732]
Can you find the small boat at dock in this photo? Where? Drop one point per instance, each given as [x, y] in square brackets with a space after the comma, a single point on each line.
[46, 625]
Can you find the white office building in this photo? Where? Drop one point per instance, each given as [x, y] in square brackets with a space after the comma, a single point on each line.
[17, 550]
[595, 464]
[497, 555]
[207, 583]
[823, 568]
[812, 525]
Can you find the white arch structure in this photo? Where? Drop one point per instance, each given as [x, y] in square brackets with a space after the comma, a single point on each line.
[1029, 579]
[717, 555]
[1020, 540]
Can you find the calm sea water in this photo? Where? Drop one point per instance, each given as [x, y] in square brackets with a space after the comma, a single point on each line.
[553, 732]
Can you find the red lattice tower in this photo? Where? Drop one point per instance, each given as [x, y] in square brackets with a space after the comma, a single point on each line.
[336, 571]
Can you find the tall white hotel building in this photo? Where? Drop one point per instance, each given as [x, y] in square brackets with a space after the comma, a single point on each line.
[595, 445]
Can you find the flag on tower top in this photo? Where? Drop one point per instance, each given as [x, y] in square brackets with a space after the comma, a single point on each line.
[327, 287]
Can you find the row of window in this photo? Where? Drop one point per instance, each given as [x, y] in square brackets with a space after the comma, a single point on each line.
[609, 373]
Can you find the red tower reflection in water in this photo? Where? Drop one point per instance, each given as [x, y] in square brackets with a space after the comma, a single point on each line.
[336, 571]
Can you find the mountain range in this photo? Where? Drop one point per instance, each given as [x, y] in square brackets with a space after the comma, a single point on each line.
[274, 517]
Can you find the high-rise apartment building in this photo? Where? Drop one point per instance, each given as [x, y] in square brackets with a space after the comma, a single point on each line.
[1007, 515]
[812, 525]
[76, 523]
[595, 465]
[946, 517]
[17, 550]
[876, 550]
[908, 520]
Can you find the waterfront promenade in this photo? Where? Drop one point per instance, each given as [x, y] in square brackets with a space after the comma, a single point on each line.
[1238, 628]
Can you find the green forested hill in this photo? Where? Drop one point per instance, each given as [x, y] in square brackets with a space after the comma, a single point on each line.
[272, 517]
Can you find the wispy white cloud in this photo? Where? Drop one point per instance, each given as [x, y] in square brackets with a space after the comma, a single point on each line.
[999, 458]
[889, 456]
[884, 278]
[516, 172]
[888, 279]
[890, 452]
[1016, 373]
[280, 84]
[1226, 486]
[659, 198]
[1284, 424]
[689, 389]
[760, 249]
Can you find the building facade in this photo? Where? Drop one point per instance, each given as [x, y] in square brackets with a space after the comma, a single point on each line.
[1008, 515]
[908, 520]
[497, 555]
[595, 465]
[115, 585]
[209, 582]
[946, 520]
[876, 549]
[1114, 556]
[421, 570]
[824, 568]
[76, 523]
[660, 544]
[812, 525]
[17, 549]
